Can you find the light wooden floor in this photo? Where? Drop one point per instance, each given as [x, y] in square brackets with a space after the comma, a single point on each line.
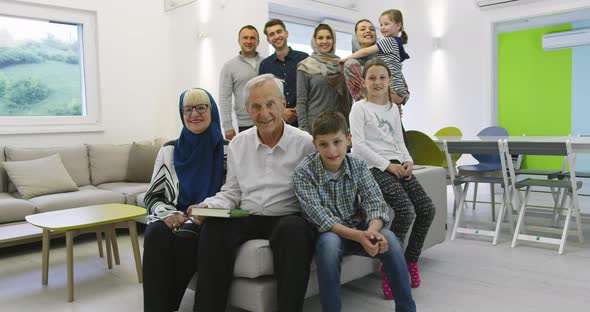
[461, 275]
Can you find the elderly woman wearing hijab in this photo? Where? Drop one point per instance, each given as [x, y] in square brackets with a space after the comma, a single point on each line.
[320, 83]
[186, 171]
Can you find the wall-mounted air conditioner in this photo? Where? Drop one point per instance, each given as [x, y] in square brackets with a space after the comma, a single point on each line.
[491, 3]
[566, 39]
[345, 4]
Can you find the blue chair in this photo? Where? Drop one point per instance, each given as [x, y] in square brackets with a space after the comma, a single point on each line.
[488, 165]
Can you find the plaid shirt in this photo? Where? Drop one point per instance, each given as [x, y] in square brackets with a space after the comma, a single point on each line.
[350, 199]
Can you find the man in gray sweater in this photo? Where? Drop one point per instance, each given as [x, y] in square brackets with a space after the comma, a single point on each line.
[234, 75]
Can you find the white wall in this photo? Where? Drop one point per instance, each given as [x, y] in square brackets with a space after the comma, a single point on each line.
[453, 85]
[198, 61]
[148, 56]
[136, 90]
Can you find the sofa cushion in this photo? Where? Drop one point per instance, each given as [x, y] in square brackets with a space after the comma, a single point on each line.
[14, 209]
[140, 166]
[74, 158]
[3, 177]
[108, 162]
[86, 196]
[128, 189]
[433, 181]
[40, 176]
[254, 258]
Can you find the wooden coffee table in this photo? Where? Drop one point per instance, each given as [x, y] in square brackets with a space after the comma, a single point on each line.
[98, 218]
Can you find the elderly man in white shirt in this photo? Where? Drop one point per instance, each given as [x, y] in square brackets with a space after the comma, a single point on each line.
[260, 166]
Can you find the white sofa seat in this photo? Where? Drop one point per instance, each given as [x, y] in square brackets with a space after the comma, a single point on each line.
[14, 209]
[254, 288]
[85, 196]
[130, 189]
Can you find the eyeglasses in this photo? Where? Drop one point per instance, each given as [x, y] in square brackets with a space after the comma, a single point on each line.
[200, 108]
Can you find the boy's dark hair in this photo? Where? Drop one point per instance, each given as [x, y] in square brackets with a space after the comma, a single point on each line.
[329, 123]
[273, 22]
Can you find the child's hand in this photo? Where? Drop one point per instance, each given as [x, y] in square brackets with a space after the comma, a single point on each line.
[397, 169]
[395, 97]
[379, 240]
[369, 242]
[408, 165]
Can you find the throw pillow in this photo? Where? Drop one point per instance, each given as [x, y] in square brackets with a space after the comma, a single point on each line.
[141, 162]
[108, 162]
[41, 176]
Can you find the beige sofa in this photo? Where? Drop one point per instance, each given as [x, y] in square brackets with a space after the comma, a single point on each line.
[99, 171]
[254, 287]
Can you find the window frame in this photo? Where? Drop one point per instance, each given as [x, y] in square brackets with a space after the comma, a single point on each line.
[92, 121]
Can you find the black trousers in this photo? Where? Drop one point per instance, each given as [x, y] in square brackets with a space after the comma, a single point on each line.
[169, 263]
[292, 240]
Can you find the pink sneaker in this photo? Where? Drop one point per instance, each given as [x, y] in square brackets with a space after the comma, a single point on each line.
[414, 274]
[385, 285]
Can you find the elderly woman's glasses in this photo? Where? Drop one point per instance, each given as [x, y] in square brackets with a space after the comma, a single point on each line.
[200, 108]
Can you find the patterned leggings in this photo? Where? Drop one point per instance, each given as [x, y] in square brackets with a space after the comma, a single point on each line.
[408, 200]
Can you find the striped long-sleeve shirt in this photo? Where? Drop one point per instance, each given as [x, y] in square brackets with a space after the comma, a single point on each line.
[162, 196]
[391, 51]
[349, 199]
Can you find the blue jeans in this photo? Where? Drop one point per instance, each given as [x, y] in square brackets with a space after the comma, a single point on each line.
[330, 248]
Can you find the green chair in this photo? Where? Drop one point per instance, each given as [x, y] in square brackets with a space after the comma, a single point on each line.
[448, 132]
[423, 150]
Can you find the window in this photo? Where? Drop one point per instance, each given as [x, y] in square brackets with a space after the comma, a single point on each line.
[48, 70]
[301, 32]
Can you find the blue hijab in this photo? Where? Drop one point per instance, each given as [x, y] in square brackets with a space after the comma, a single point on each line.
[198, 159]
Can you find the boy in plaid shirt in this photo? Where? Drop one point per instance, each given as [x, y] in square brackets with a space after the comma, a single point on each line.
[340, 197]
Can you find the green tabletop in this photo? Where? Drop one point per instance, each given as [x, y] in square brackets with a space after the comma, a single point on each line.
[83, 217]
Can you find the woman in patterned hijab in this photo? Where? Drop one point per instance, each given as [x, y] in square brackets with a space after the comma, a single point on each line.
[320, 82]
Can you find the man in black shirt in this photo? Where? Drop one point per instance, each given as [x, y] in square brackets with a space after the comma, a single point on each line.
[283, 64]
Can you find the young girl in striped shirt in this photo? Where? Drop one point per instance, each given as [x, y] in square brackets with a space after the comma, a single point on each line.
[390, 49]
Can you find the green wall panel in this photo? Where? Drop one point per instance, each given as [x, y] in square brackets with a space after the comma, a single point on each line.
[534, 88]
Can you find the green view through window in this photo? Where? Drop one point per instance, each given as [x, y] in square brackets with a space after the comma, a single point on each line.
[41, 71]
